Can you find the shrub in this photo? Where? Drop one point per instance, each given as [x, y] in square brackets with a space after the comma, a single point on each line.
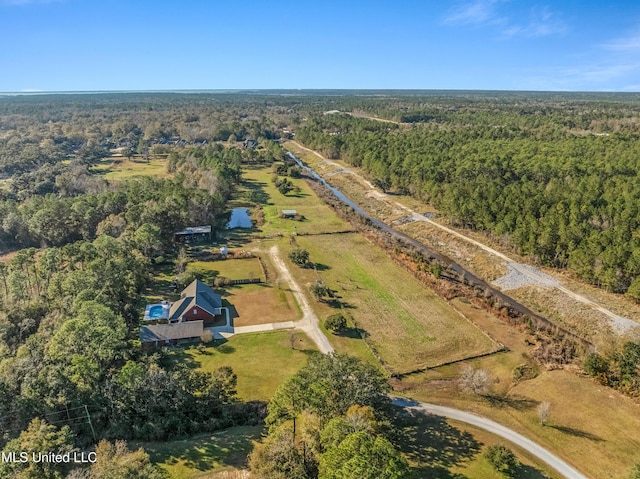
[319, 290]
[502, 459]
[299, 256]
[595, 365]
[335, 323]
[476, 381]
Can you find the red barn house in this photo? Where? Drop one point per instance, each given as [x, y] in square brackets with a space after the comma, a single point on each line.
[197, 302]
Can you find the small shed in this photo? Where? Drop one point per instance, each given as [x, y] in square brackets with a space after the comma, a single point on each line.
[193, 233]
[289, 213]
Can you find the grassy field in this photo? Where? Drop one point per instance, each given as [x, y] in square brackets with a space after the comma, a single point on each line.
[231, 268]
[120, 168]
[318, 216]
[409, 326]
[201, 456]
[592, 427]
[261, 360]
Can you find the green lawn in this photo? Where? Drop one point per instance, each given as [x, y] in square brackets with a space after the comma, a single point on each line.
[318, 216]
[261, 360]
[230, 268]
[409, 326]
[205, 454]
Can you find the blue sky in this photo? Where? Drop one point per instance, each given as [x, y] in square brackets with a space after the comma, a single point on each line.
[69, 45]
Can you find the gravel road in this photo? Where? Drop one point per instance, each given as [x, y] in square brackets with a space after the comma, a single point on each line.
[309, 322]
[493, 427]
[522, 271]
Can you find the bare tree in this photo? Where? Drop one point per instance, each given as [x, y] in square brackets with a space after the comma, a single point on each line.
[544, 412]
[476, 381]
[207, 336]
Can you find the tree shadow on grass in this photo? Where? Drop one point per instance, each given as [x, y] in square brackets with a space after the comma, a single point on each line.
[204, 453]
[353, 333]
[336, 303]
[174, 356]
[237, 237]
[432, 445]
[224, 347]
[514, 402]
[576, 433]
[529, 472]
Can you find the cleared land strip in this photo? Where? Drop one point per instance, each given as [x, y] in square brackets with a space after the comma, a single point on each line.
[409, 327]
[367, 117]
[620, 323]
[493, 427]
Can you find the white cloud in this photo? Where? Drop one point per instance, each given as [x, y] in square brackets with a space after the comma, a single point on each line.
[541, 22]
[625, 44]
[479, 12]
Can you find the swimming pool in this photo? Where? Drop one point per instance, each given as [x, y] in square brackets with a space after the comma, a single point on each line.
[157, 311]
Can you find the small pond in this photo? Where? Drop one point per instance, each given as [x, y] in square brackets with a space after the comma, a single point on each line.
[239, 219]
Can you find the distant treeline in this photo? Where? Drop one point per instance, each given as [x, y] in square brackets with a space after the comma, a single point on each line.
[554, 183]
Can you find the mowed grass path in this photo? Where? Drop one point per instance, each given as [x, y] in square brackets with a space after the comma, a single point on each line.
[319, 216]
[409, 326]
[261, 360]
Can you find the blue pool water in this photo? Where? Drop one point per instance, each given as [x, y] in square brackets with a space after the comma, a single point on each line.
[155, 311]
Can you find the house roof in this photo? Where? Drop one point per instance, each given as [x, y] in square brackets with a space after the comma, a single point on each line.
[195, 230]
[163, 332]
[196, 294]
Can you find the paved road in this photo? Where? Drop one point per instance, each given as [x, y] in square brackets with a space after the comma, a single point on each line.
[619, 323]
[309, 321]
[493, 427]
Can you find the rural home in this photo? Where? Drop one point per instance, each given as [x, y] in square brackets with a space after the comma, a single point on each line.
[197, 302]
[186, 318]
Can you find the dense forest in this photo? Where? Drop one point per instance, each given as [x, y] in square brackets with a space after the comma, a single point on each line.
[555, 176]
[558, 182]
[81, 250]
